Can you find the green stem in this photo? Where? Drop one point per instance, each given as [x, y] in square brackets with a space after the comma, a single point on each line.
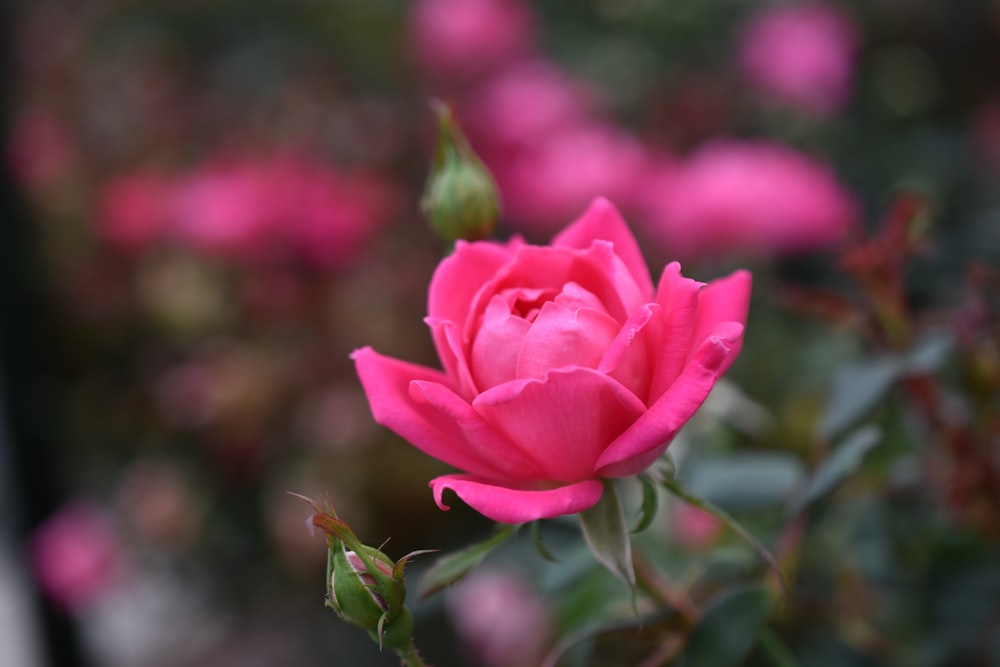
[411, 657]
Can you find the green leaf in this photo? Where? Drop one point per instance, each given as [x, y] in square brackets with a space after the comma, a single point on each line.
[606, 533]
[748, 480]
[650, 503]
[845, 459]
[453, 567]
[536, 537]
[675, 488]
[729, 628]
[856, 389]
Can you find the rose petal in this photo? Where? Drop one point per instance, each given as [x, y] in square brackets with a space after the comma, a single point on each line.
[563, 337]
[678, 298]
[513, 505]
[497, 344]
[603, 221]
[564, 421]
[631, 356]
[479, 437]
[723, 300]
[460, 275]
[635, 449]
[451, 351]
[386, 382]
[597, 270]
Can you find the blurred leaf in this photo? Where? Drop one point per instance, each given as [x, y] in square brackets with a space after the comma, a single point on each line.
[745, 481]
[650, 502]
[606, 533]
[856, 389]
[775, 649]
[453, 567]
[842, 461]
[728, 629]
[675, 488]
[930, 354]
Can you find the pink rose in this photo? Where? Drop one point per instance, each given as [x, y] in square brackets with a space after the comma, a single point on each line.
[563, 365]
[804, 54]
[747, 198]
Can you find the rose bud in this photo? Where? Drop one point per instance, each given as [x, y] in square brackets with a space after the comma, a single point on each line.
[365, 591]
[460, 199]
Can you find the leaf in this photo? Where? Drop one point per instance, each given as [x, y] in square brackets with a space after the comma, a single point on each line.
[856, 389]
[729, 628]
[929, 354]
[650, 503]
[453, 567]
[675, 488]
[536, 537]
[845, 459]
[606, 533]
[746, 481]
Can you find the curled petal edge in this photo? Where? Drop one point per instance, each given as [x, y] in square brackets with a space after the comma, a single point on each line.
[508, 505]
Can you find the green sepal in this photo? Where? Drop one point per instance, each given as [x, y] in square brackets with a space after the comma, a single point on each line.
[606, 533]
[650, 503]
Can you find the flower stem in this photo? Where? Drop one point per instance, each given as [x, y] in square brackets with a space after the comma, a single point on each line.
[410, 657]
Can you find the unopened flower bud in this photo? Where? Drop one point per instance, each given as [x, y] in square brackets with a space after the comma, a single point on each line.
[460, 199]
[364, 586]
[365, 590]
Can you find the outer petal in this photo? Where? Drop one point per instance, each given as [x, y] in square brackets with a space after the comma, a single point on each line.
[640, 445]
[632, 355]
[460, 275]
[479, 437]
[678, 297]
[564, 421]
[451, 350]
[723, 300]
[603, 221]
[512, 505]
[386, 381]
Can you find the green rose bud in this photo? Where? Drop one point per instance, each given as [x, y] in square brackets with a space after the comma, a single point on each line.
[365, 590]
[364, 586]
[460, 199]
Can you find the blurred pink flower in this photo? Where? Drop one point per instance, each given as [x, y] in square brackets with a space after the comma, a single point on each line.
[464, 38]
[499, 619]
[329, 216]
[250, 210]
[524, 102]
[134, 209]
[733, 197]
[694, 528]
[229, 210]
[76, 555]
[561, 173]
[803, 53]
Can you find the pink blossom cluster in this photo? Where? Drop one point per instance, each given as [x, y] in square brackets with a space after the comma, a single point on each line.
[802, 54]
[552, 150]
[248, 210]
